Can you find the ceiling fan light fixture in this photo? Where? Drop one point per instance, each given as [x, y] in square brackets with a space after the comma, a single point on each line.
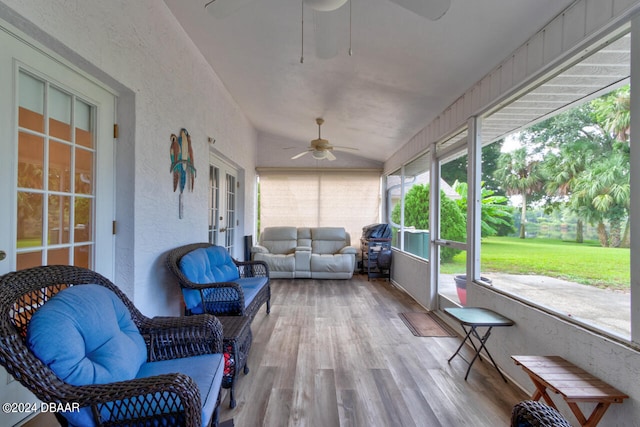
[325, 5]
[319, 154]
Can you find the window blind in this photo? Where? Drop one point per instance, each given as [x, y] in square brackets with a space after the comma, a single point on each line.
[318, 198]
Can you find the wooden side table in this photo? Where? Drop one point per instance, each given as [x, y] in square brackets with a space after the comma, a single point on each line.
[572, 383]
[236, 344]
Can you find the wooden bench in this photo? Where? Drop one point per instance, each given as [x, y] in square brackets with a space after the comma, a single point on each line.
[572, 383]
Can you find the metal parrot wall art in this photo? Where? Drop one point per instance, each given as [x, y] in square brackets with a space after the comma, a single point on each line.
[182, 168]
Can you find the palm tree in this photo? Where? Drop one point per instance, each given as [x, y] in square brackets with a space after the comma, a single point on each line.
[602, 193]
[562, 170]
[613, 111]
[520, 175]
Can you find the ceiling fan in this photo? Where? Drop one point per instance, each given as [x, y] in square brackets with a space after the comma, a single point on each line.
[320, 148]
[429, 9]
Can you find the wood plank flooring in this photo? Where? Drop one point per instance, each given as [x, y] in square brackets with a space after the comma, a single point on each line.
[335, 353]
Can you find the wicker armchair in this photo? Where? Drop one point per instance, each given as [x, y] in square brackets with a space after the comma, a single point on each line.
[174, 399]
[532, 413]
[223, 298]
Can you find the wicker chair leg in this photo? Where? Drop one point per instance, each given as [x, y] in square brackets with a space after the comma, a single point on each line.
[232, 398]
[61, 420]
[246, 369]
[269, 306]
[215, 419]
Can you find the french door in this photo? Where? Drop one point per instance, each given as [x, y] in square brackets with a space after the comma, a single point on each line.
[56, 170]
[223, 195]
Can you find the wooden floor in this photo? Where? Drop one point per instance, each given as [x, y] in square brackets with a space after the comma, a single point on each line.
[335, 353]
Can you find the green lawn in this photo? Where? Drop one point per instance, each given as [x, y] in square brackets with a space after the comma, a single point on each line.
[586, 263]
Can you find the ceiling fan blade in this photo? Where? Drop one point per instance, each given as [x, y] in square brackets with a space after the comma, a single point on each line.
[297, 156]
[341, 148]
[329, 156]
[222, 8]
[430, 9]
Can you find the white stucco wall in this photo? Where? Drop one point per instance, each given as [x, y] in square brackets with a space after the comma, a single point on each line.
[164, 84]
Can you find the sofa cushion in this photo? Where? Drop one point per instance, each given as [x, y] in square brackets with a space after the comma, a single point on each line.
[86, 336]
[304, 237]
[332, 263]
[206, 265]
[279, 240]
[328, 240]
[277, 262]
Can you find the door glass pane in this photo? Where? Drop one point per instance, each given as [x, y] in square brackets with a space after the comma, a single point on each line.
[59, 167]
[29, 219]
[214, 204]
[58, 256]
[453, 221]
[453, 198]
[231, 212]
[59, 114]
[84, 171]
[83, 123]
[28, 260]
[82, 256]
[59, 219]
[30, 161]
[31, 103]
[83, 219]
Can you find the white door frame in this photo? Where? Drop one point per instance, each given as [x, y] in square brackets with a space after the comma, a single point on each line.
[19, 52]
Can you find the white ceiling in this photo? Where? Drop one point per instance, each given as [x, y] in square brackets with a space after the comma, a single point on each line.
[404, 70]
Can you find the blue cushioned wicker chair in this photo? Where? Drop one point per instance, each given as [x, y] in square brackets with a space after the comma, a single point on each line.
[213, 282]
[73, 338]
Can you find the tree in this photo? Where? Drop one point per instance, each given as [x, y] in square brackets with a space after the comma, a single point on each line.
[495, 213]
[562, 169]
[606, 187]
[613, 112]
[416, 214]
[456, 170]
[520, 175]
[586, 162]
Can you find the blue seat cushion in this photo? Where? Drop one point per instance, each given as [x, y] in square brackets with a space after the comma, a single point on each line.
[221, 301]
[206, 265]
[206, 370]
[251, 286]
[85, 334]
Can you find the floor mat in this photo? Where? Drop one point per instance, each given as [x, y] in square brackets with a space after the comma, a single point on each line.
[423, 324]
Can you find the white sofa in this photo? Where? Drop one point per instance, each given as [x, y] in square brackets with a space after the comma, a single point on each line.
[304, 252]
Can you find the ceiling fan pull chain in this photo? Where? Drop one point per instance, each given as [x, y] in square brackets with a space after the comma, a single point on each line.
[350, 51]
[302, 38]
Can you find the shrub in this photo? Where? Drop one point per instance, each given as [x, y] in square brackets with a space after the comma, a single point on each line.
[416, 214]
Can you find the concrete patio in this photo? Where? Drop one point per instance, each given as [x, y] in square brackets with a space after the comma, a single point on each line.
[604, 308]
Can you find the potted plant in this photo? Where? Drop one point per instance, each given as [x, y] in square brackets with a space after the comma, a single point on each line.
[461, 286]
